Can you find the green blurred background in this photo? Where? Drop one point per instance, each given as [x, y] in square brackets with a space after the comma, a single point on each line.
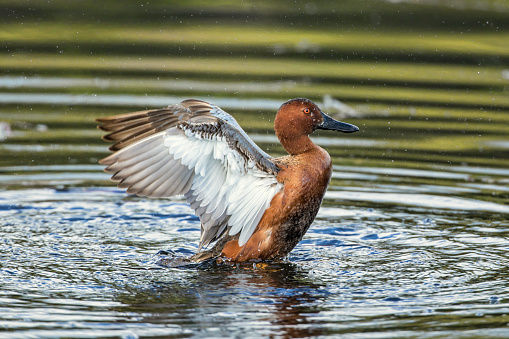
[427, 81]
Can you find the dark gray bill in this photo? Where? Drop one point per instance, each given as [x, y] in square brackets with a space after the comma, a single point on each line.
[334, 125]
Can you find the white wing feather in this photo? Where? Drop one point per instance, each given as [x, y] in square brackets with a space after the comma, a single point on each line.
[223, 186]
[224, 182]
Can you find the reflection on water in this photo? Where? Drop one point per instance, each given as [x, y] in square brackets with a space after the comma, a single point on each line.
[412, 238]
[61, 82]
[423, 200]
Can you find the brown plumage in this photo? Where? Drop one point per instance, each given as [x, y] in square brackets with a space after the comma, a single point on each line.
[253, 205]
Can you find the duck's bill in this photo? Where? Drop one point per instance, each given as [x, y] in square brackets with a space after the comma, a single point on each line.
[334, 125]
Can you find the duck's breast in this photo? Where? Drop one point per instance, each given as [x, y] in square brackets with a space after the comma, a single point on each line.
[305, 181]
[305, 178]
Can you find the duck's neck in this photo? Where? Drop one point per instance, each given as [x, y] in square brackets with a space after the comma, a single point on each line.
[297, 145]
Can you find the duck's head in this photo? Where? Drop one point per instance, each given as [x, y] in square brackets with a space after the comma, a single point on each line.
[297, 118]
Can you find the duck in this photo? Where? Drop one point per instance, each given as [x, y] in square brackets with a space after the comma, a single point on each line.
[251, 206]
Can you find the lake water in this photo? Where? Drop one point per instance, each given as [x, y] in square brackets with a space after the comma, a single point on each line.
[412, 239]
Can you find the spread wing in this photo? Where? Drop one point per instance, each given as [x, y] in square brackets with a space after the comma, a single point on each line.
[198, 150]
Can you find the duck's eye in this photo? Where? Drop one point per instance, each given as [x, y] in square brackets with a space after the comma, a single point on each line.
[306, 110]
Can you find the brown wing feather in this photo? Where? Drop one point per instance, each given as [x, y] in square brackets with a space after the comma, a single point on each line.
[126, 129]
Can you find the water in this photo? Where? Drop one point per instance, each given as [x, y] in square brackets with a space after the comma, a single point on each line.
[412, 238]
[81, 262]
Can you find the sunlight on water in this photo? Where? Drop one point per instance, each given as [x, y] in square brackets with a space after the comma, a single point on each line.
[423, 200]
[129, 100]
